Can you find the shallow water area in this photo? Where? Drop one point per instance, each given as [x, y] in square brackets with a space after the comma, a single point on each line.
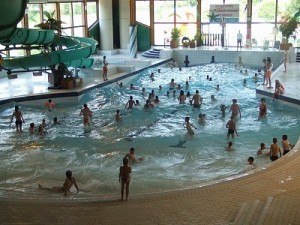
[172, 158]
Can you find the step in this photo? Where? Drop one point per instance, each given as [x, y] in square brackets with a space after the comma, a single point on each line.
[253, 213]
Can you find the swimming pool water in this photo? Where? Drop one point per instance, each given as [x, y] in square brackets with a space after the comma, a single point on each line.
[95, 157]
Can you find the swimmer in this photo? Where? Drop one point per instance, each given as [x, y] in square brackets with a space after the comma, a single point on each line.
[120, 84]
[181, 97]
[172, 84]
[274, 150]
[148, 105]
[178, 87]
[69, 182]
[261, 150]
[286, 146]
[152, 95]
[235, 109]
[44, 124]
[143, 91]
[255, 78]
[49, 104]
[213, 98]
[218, 87]
[250, 164]
[188, 126]
[202, 119]
[229, 147]
[55, 121]
[31, 128]
[130, 103]
[265, 71]
[168, 94]
[197, 100]
[131, 156]
[118, 117]
[160, 88]
[19, 119]
[245, 82]
[137, 102]
[41, 131]
[187, 85]
[231, 127]
[223, 109]
[262, 108]
[132, 87]
[174, 93]
[124, 178]
[156, 100]
[87, 115]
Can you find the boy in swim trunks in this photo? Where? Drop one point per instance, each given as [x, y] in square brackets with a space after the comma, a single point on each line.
[19, 119]
[130, 103]
[235, 109]
[231, 127]
[274, 150]
[131, 156]
[189, 126]
[87, 114]
[124, 178]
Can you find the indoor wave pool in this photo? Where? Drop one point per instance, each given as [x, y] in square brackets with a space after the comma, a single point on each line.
[173, 159]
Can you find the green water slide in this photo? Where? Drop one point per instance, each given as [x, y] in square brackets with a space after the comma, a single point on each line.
[71, 51]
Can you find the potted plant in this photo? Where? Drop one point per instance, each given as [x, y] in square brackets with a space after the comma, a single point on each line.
[175, 35]
[287, 28]
[193, 43]
[50, 23]
[198, 38]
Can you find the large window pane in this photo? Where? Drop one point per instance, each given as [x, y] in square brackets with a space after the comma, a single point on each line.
[91, 13]
[78, 14]
[162, 33]
[243, 8]
[143, 12]
[34, 15]
[186, 11]
[66, 14]
[164, 11]
[78, 32]
[263, 11]
[50, 8]
[67, 32]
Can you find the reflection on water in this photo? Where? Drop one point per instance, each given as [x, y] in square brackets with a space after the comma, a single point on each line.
[172, 158]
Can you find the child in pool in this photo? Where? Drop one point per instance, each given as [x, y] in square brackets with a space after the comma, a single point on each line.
[131, 156]
[189, 126]
[261, 150]
[69, 181]
[229, 147]
[124, 178]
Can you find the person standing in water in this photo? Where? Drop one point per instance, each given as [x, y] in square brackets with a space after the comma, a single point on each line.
[124, 178]
[87, 114]
[188, 126]
[19, 119]
[235, 109]
[196, 100]
[104, 68]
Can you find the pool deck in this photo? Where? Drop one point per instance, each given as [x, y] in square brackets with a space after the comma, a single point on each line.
[270, 196]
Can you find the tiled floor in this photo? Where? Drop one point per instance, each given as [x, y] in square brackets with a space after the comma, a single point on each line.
[218, 203]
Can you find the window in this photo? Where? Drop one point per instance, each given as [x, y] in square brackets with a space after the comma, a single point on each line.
[143, 12]
[34, 15]
[91, 13]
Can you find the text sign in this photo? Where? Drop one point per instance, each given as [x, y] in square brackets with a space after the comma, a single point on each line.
[228, 10]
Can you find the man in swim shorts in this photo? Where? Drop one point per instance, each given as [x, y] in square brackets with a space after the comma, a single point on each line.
[19, 119]
[197, 100]
[87, 114]
[231, 127]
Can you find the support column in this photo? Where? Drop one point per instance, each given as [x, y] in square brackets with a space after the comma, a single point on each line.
[125, 17]
[249, 22]
[106, 24]
[133, 41]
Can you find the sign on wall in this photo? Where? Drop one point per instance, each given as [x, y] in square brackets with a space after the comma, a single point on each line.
[230, 12]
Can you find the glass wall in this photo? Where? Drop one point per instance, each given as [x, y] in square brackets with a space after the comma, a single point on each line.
[183, 14]
[91, 13]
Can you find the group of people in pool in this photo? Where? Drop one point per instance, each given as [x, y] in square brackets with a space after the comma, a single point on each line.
[41, 130]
